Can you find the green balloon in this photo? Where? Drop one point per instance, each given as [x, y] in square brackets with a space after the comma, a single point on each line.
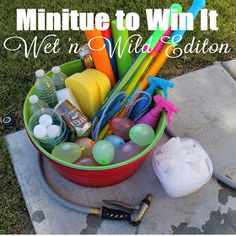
[103, 152]
[142, 134]
[69, 152]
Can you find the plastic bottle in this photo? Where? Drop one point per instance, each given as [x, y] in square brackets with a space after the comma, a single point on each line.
[45, 89]
[36, 104]
[86, 57]
[58, 77]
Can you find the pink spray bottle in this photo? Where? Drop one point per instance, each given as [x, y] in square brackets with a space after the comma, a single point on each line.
[152, 117]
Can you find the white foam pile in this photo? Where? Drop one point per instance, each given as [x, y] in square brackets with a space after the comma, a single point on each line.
[182, 165]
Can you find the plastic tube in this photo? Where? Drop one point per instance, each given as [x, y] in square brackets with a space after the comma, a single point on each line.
[99, 53]
[124, 60]
[109, 41]
[131, 86]
[53, 194]
[224, 179]
[195, 8]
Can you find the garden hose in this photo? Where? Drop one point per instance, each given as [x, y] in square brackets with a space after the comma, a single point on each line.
[53, 194]
[134, 217]
[122, 211]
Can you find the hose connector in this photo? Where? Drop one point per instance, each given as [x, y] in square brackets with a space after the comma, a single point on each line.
[124, 211]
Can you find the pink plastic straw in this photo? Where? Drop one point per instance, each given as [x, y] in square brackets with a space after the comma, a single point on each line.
[160, 43]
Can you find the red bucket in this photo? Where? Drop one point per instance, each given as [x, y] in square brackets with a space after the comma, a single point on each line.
[92, 176]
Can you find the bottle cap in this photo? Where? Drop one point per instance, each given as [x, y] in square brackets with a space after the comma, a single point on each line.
[33, 99]
[56, 69]
[39, 73]
[84, 53]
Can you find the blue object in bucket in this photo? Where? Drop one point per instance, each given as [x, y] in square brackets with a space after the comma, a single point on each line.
[109, 43]
[163, 84]
[115, 140]
[103, 116]
[142, 104]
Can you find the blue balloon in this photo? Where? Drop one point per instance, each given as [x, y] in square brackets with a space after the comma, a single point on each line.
[115, 140]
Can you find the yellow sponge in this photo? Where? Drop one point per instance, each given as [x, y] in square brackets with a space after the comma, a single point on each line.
[103, 83]
[90, 89]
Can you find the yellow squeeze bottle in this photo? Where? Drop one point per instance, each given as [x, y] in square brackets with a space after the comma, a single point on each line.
[90, 89]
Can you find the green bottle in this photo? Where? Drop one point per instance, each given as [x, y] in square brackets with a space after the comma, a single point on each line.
[36, 104]
[45, 88]
[58, 77]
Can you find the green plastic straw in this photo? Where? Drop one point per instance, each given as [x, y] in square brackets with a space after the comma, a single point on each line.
[121, 41]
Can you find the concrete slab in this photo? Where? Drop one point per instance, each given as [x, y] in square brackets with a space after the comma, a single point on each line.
[207, 102]
[206, 99]
[230, 66]
[195, 213]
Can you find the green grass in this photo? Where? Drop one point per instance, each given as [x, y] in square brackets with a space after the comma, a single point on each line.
[17, 73]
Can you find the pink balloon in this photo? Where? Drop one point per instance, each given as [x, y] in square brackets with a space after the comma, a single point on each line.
[126, 151]
[86, 161]
[121, 127]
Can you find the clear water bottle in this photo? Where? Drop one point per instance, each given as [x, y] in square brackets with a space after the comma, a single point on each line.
[36, 104]
[45, 88]
[58, 77]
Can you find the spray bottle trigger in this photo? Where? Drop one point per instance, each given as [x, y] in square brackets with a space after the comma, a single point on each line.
[166, 105]
[160, 83]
